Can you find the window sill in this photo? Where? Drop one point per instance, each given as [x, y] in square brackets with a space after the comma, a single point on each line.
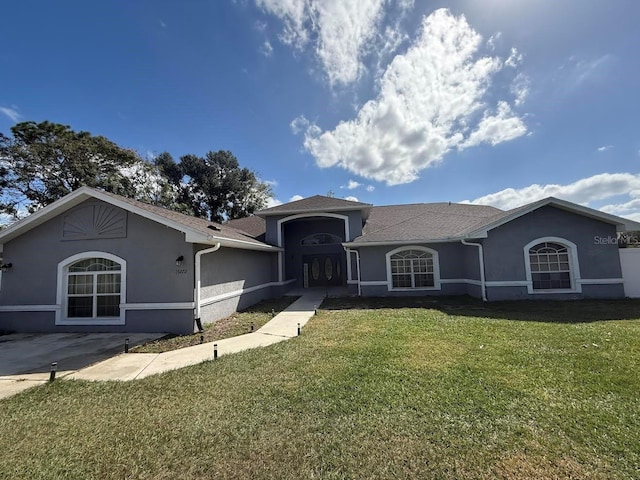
[556, 290]
[417, 289]
[91, 321]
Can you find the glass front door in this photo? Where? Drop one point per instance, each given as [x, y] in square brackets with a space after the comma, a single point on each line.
[322, 270]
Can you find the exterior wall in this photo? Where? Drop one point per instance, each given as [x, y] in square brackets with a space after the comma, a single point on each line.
[233, 279]
[170, 321]
[152, 277]
[458, 270]
[505, 260]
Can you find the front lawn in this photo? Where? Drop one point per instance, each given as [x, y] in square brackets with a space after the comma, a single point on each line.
[237, 324]
[449, 389]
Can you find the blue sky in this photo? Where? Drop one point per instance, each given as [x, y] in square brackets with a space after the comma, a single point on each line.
[495, 101]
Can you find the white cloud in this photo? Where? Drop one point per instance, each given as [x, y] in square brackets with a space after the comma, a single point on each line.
[604, 148]
[515, 59]
[578, 71]
[299, 124]
[351, 199]
[162, 24]
[340, 31]
[296, 198]
[273, 202]
[520, 89]
[431, 99]
[271, 183]
[266, 49]
[370, 188]
[584, 191]
[12, 113]
[630, 209]
[493, 40]
[498, 128]
[351, 185]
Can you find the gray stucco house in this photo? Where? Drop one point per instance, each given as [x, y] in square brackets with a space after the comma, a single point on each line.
[94, 261]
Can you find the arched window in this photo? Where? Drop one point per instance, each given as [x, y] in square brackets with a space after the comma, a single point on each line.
[92, 289]
[320, 239]
[552, 265]
[413, 268]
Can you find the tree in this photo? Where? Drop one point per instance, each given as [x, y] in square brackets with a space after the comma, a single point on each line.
[216, 187]
[45, 161]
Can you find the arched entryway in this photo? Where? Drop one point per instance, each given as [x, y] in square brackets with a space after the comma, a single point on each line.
[313, 253]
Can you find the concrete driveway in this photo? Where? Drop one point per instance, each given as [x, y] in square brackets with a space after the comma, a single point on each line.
[25, 358]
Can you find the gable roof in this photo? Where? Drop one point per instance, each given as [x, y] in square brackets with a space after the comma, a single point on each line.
[196, 230]
[621, 224]
[317, 203]
[443, 222]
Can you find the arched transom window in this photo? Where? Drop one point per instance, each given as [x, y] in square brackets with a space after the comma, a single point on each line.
[550, 266]
[412, 268]
[320, 239]
[94, 286]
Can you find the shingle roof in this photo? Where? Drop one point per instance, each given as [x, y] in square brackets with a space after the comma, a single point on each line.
[253, 225]
[317, 203]
[424, 221]
[201, 225]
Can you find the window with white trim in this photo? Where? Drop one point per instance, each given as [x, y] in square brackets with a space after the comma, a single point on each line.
[550, 266]
[412, 269]
[94, 287]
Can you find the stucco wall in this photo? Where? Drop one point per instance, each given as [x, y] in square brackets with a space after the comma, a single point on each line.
[149, 249]
[505, 259]
[457, 262]
[231, 269]
[234, 279]
[504, 254]
[169, 321]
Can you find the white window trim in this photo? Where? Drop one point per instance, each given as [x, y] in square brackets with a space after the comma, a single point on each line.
[436, 269]
[574, 266]
[61, 295]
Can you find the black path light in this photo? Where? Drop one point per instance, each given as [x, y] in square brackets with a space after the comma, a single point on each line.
[52, 374]
[215, 351]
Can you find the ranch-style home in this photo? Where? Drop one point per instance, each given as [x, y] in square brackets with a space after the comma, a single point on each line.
[98, 262]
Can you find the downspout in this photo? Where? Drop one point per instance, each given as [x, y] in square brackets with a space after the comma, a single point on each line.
[196, 293]
[349, 252]
[358, 268]
[483, 286]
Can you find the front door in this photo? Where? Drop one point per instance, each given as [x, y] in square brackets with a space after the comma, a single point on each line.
[322, 270]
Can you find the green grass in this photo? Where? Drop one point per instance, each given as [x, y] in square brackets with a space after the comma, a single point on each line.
[237, 324]
[453, 389]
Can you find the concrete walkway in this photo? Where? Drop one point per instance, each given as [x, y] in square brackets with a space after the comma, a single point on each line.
[132, 366]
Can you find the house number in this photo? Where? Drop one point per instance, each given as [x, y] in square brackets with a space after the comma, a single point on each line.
[181, 271]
